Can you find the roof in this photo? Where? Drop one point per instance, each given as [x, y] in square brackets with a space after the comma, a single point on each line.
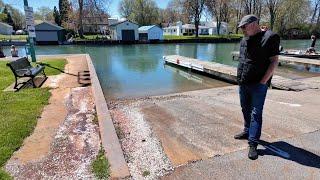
[187, 26]
[146, 28]
[120, 22]
[4, 24]
[47, 26]
[171, 27]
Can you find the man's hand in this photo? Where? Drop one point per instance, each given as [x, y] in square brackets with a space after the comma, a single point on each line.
[274, 63]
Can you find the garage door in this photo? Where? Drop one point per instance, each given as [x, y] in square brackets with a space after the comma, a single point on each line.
[128, 35]
[143, 36]
[46, 36]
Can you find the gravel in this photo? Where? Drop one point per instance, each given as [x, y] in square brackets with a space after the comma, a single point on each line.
[142, 149]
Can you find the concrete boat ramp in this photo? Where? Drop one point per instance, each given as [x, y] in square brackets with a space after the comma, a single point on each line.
[229, 73]
[190, 135]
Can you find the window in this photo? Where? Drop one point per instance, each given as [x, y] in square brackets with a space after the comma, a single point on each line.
[174, 30]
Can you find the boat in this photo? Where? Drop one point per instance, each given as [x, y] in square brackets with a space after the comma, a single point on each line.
[300, 54]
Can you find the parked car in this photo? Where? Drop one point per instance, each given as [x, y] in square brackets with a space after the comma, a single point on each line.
[20, 32]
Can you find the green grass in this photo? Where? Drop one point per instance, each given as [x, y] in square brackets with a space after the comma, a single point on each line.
[57, 63]
[4, 175]
[231, 36]
[92, 37]
[145, 173]
[100, 166]
[19, 111]
[13, 37]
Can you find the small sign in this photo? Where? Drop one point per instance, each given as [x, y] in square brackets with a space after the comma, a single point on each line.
[32, 31]
[30, 21]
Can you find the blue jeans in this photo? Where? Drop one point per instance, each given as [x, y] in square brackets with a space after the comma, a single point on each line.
[252, 99]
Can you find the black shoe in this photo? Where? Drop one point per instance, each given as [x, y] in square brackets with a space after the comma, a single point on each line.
[253, 153]
[242, 135]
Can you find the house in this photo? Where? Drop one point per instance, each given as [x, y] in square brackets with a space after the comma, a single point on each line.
[6, 29]
[124, 31]
[212, 25]
[48, 33]
[147, 33]
[186, 29]
[190, 29]
[95, 24]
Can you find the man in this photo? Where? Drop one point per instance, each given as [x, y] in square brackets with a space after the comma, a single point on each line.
[312, 49]
[258, 58]
[14, 51]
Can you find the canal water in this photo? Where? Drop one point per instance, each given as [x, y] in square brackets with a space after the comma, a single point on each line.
[128, 71]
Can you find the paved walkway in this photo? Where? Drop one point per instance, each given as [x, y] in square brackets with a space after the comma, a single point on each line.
[65, 140]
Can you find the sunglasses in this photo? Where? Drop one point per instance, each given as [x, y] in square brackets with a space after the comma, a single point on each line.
[244, 26]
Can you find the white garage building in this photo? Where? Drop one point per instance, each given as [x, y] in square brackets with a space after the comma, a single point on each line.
[153, 32]
[124, 31]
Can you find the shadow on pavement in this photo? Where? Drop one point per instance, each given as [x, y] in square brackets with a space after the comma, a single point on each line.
[83, 76]
[290, 152]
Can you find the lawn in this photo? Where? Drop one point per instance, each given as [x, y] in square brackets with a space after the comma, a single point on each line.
[19, 111]
[92, 37]
[13, 37]
[231, 36]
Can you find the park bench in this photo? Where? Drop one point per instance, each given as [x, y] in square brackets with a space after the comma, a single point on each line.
[22, 68]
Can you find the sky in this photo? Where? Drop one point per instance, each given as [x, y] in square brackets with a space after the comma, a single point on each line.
[51, 3]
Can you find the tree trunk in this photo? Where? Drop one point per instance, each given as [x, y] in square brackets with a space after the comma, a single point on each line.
[197, 19]
[196, 23]
[272, 19]
[314, 13]
[80, 18]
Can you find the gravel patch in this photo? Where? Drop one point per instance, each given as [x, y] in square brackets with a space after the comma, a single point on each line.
[142, 149]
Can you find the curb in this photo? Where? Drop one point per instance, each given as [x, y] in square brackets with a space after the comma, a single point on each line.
[109, 138]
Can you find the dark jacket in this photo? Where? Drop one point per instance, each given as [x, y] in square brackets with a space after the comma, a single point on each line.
[254, 58]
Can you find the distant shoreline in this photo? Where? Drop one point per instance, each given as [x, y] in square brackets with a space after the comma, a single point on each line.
[113, 42]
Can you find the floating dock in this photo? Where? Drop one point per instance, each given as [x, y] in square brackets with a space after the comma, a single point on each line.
[289, 60]
[229, 73]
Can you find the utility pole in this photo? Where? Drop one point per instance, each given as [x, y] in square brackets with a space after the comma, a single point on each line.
[31, 30]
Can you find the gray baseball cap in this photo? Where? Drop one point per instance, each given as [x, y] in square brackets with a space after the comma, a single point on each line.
[248, 19]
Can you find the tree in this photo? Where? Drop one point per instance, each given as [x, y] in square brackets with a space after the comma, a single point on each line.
[8, 18]
[126, 8]
[64, 9]
[144, 12]
[11, 16]
[316, 9]
[194, 9]
[273, 6]
[82, 7]
[56, 16]
[3, 17]
[44, 13]
[292, 14]
[218, 9]
[176, 11]
[253, 7]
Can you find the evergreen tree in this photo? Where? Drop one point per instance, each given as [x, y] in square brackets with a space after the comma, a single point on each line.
[8, 19]
[64, 9]
[56, 16]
